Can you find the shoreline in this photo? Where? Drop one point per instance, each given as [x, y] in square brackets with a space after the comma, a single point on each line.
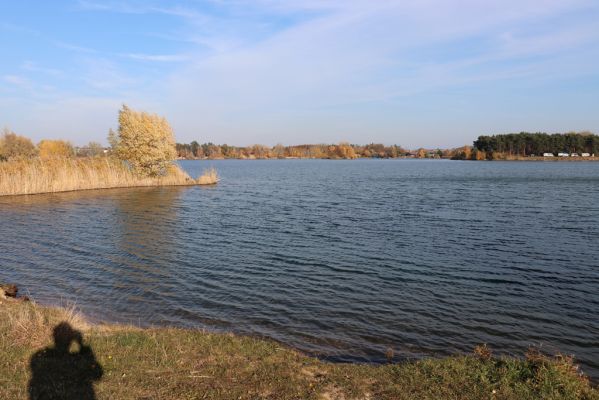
[175, 363]
[554, 159]
[548, 159]
[106, 188]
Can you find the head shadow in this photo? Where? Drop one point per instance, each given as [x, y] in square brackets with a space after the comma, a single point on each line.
[66, 370]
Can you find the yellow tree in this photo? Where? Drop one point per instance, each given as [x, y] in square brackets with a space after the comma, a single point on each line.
[55, 149]
[345, 150]
[15, 146]
[145, 141]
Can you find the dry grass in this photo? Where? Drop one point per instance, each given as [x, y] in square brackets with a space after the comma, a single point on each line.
[32, 325]
[61, 175]
[208, 177]
[171, 363]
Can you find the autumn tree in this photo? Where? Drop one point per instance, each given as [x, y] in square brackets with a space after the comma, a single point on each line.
[55, 149]
[15, 146]
[195, 146]
[462, 153]
[345, 150]
[145, 141]
[260, 151]
[95, 149]
[113, 140]
[279, 151]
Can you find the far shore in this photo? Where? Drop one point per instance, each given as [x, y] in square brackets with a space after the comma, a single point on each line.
[548, 159]
[555, 159]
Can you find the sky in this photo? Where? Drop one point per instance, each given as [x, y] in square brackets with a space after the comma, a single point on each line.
[418, 73]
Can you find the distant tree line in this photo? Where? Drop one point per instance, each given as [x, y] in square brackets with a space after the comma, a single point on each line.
[527, 144]
[342, 150]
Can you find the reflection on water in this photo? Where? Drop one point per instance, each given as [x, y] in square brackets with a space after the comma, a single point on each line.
[145, 231]
[341, 259]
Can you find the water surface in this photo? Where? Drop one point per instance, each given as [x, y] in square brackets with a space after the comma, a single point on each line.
[341, 259]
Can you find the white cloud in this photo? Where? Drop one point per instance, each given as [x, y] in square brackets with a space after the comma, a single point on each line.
[330, 70]
[33, 67]
[105, 75]
[17, 80]
[158, 57]
[351, 52]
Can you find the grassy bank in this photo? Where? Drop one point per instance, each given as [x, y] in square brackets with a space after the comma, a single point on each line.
[32, 176]
[131, 363]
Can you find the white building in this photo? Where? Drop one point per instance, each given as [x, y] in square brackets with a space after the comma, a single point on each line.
[585, 155]
[563, 155]
[547, 154]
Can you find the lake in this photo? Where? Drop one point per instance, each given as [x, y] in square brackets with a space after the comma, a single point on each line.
[340, 259]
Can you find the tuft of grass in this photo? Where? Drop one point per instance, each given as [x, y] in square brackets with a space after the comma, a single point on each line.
[208, 177]
[33, 176]
[170, 363]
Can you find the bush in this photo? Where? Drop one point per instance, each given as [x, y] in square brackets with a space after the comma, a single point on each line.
[55, 149]
[13, 146]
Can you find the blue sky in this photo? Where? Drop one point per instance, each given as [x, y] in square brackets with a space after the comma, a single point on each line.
[429, 73]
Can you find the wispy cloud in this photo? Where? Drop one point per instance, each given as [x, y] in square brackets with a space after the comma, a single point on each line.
[7, 26]
[73, 47]
[33, 67]
[355, 52]
[140, 8]
[158, 57]
[17, 80]
[331, 69]
[105, 75]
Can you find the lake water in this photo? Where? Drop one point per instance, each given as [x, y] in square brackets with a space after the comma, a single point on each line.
[341, 259]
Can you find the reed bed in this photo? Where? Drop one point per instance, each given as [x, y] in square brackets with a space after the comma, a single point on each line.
[208, 177]
[33, 176]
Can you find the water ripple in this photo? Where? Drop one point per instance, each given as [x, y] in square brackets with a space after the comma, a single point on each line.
[339, 259]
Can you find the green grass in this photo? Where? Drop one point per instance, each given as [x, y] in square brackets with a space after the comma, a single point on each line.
[189, 364]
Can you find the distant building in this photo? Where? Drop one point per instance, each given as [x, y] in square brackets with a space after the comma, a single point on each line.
[585, 155]
[563, 155]
[574, 155]
[547, 154]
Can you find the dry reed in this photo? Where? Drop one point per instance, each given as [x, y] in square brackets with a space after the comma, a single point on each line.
[209, 177]
[61, 175]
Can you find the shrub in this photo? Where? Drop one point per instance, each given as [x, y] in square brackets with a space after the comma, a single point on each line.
[55, 149]
[208, 177]
[14, 146]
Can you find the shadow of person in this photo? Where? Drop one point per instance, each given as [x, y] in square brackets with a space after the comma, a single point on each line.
[59, 373]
